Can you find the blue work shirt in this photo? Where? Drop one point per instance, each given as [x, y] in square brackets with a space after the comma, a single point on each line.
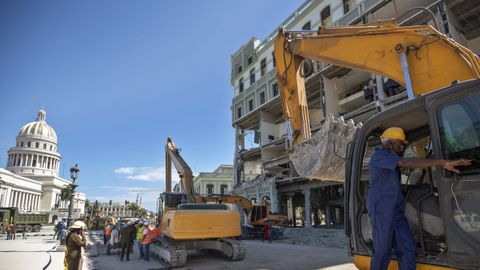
[384, 174]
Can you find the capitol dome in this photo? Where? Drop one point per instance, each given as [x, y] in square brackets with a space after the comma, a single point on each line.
[36, 150]
[39, 129]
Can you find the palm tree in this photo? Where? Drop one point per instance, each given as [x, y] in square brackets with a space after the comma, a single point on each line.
[142, 213]
[134, 208]
[66, 193]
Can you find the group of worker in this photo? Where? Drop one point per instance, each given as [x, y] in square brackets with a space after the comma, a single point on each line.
[11, 230]
[131, 232]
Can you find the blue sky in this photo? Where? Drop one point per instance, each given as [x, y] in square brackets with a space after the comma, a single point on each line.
[117, 77]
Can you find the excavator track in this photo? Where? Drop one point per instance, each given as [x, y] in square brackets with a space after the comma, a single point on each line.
[172, 252]
[235, 250]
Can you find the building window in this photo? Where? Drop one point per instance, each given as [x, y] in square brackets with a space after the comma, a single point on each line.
[307, 26]
[239, 112]
[29, 144]
[252, 76]
[45, 146]
[21, 144]
[223, 189]
[263, 67]
[37, 145]
[210, 189]
[325, 17]
[240, 85]
[261, 96]
[250, 105]
[250, 60]
[275, 89]
[273, 57]
[51, 148]
[240, 68]
[347, 5]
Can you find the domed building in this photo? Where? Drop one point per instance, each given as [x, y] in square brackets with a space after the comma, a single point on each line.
[30, 180]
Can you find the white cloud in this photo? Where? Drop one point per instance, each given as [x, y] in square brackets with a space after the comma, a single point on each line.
[148, 174]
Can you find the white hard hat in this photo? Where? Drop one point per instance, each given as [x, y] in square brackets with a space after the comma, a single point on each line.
[146, 223]
[78, 225]
[130, 222]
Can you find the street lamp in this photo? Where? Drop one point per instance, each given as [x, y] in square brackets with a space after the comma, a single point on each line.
[73, 174]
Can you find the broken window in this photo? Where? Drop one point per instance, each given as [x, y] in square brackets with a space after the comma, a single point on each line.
[347, 5]
[250, 60]
[263, 67]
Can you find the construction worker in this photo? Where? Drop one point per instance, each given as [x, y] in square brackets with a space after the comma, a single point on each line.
[385, 202]
[107, 233]
[139, 238]
[74, 242]
[146, 241]
[126, 241]
[156, 231]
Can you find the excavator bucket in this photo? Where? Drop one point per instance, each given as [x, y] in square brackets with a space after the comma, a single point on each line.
[323, 156]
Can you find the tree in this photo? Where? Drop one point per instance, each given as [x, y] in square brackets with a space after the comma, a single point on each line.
[142, 213]
[66, 193]
[134, 208]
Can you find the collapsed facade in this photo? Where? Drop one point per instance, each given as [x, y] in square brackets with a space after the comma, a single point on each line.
[261, 145]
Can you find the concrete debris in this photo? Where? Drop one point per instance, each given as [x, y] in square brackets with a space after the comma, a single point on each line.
[322, 156]
[319, 237]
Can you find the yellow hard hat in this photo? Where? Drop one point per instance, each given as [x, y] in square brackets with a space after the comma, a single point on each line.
[394, 133]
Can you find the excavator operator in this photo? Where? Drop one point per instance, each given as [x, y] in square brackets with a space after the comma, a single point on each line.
[385, 202]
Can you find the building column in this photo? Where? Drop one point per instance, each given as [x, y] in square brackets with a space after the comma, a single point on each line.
[12, 198]
[308, 212]
[331, 96]
[274, 203]
[290, 210]
[328, 215]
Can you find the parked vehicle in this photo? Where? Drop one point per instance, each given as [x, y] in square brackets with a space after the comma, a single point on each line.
[30, 222]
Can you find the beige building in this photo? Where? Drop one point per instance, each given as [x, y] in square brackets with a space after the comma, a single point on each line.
[257, 112]
[220, 181]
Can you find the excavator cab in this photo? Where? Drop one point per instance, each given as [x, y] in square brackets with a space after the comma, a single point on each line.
[169, 201]
[441, 207]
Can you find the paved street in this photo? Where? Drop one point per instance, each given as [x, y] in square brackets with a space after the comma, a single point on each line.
[259, 256]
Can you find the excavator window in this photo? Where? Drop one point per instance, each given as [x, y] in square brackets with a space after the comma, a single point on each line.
[459, 124]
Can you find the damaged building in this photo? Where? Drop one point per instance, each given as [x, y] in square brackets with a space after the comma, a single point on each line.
[261, 141]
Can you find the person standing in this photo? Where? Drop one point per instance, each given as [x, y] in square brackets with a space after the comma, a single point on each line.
[156, 231]
[75, 241]
[107, 233]
[24, 231]
[9, 231]
[139, 239]
[385, 202]
[60, 229]
[267, 233]
[125, 241]
[14, 231]
[146, 241]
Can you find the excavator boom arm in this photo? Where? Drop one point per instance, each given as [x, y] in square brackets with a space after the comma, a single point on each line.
[172, 155]
[434, 61]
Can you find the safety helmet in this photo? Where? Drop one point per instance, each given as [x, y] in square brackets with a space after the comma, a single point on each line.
[394, 133]
[78, 225]
[146, 223]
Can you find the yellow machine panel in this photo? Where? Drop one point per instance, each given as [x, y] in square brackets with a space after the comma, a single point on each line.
[200, 224]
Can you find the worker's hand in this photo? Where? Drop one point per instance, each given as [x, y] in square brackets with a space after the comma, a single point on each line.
[451, 164]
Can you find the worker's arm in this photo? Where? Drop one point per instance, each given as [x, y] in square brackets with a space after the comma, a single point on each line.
[79, 241]
[421, 163]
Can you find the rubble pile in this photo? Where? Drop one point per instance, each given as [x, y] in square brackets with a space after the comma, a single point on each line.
[319, 237]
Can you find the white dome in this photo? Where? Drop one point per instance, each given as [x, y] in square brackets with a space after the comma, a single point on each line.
[38, 129]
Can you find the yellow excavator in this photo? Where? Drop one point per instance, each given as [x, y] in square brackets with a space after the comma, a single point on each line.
[441, 119]
[185, 224]
[257, 215]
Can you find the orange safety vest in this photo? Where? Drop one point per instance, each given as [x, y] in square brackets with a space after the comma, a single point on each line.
[108, 231]
[148, 237]
[156, 232]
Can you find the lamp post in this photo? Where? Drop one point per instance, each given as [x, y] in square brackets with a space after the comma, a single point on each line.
[73, 174]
